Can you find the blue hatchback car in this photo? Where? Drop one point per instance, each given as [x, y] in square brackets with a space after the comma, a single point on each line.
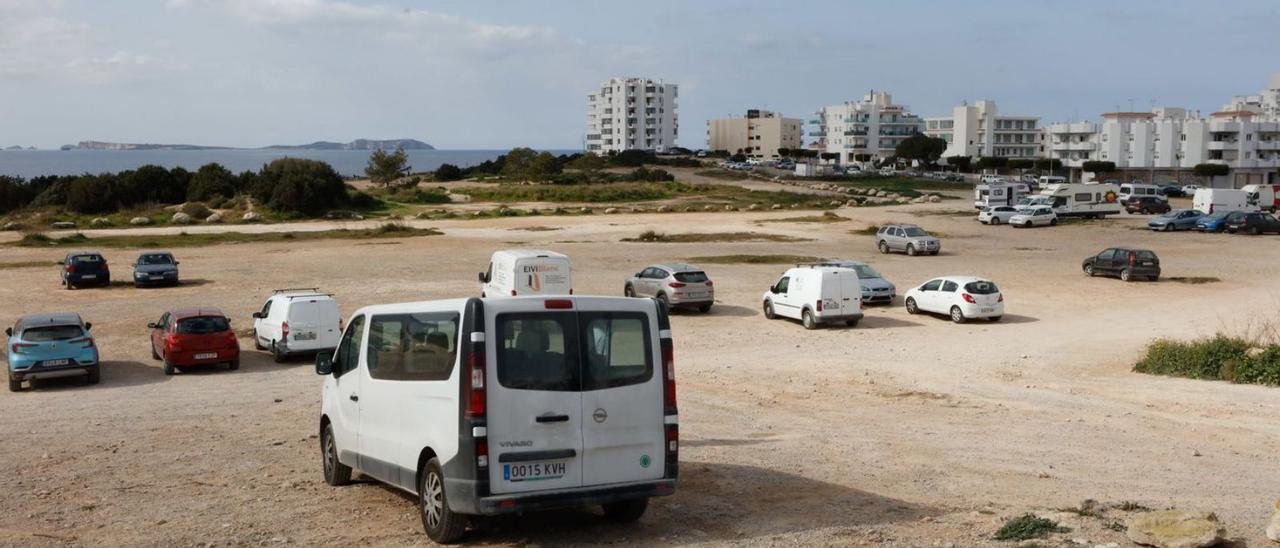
[1216, 222]
[47, 346]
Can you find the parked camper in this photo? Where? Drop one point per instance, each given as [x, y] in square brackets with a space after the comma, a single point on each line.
[503, 406]
[1215, 200]
[297, 321]
[1134, 190]
[1266, 197]
[815, 295]
[998, 194]
[521, 272]
[1083, 200]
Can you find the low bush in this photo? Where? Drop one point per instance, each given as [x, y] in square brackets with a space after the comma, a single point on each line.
[1028, 526]
[1217, 358]
[196, 210]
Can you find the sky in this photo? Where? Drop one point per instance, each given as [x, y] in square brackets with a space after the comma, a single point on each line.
[476, 74]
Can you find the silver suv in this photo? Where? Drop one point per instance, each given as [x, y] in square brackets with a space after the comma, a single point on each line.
[909, 239]
[673, 284]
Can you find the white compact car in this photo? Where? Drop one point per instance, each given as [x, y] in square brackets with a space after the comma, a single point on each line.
[1036, 216]
[297, 321]
[505, 405]
[960, 297]
[523, 272]
[816, 294]
[995, 215]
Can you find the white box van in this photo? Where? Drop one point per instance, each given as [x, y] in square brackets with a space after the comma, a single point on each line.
[816, 295]
[523, 272]
[297, 321]
[1138, 190]
[1215, 200]
[1095, 200]
[1266, 197]
[494, 406]
[998, 194]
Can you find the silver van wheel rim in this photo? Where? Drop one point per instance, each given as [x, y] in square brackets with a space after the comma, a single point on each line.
[432, 501]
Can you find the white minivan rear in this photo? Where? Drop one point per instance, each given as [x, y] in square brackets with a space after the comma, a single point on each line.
[297, 322]
[815, 295]
[524, 272]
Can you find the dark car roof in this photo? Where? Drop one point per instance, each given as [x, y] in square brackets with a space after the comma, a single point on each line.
[83, 252]
[55, 318]
[1132, 249]
[194, 311]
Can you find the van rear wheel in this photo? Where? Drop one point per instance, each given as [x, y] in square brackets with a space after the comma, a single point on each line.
[625, 511]
[277, 354]
[441, 524]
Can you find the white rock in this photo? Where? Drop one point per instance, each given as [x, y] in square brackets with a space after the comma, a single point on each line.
[934, 198]
[63, 224]
[181, 218]
[611, 211]
[251, 216]
[140, 221]
[213, 218]
[663, 209]
[775, 206]
[1273, 529]
[100, 221]
[753, 207]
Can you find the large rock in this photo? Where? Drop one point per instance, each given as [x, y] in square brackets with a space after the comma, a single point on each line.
[181, 218]
[610, 211]
[100, 222]
[10, 226]
[934, 198]
[1273, 529]
[63, 224]
[214, 218]
[775, 206]
[1176, 529]
[753, 207]
[663, 209]
[139, 221]
[251, 216]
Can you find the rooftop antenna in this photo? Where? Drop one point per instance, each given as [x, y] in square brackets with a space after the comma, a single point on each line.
[1131, 104]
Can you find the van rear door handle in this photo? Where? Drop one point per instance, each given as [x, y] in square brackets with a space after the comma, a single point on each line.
[354, 397]
[552, 418]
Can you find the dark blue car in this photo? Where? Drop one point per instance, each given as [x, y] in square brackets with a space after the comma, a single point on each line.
[82, 268]
[155, 268]
[1178, 219]
[1217, 222]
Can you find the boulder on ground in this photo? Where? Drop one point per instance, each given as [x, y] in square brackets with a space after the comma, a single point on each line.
[584, 210]
[139, 221]
[1176, 529]
[100, 221]
[610, 211]
[729, 207]
[181, 218]
[251, 216]
[63, 224]
[1273, 529]
[934, 198]
[213, 218]
[753, 207]
[663, 209]
[775, 206]
[10, 226]
[918, 200]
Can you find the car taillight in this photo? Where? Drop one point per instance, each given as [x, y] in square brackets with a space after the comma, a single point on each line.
[1001, 299]
[968, 298]
[231, 339]
[17, 347]
[1133, 258]
[475, 389]
[86, 341]
[342, 325]
[173, 343]
[675, 284]
[70, 268]
[558, 304]
[284, 331]
[669, 376]
[513, 292]
[709, 284]
[819, 305]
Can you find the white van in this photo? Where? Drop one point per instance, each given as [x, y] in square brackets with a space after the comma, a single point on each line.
[522, 272]
[297, 321]
[1095, 200]
[1215, 200]
[815, 295]
[1138, 190]
[495, 406]
[1266, 197]
[998, 194]
[1045, 180]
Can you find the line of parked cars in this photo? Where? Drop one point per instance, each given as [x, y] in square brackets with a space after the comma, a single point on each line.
[90, 268]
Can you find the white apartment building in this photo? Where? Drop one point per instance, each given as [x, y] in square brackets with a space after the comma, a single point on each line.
[632, 114]
[759, 134]
[979, 130]
[873, 126]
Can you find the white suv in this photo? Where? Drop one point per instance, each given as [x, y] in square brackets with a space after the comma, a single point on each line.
[297, 321]
[504, 405]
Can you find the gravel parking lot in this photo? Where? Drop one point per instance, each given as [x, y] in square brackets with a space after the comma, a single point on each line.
[903, 430]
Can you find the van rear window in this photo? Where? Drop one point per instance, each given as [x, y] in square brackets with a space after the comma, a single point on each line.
[567, 352]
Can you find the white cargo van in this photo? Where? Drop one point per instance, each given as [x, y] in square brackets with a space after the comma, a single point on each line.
[1266, 197]
[523, 272]
[496, 406]
[816, 294]
[297, 321]
[1095, 200]
[1215, 200]
[1138, 190]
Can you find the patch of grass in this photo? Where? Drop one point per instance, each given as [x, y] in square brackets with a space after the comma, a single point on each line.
[585, 193]
[1194, 280]
[1130, 506]
[185, 239]
[754, 259]
[901, 185]
[826, 217]
[724, 174]
[535, 228]
[27, 264]
[1221, 357]
[1028, 526]
[945, 213]
[704, 237]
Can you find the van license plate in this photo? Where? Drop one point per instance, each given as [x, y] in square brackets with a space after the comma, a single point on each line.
[534, 471]
[55, 363]
[305, 336]
[205, 355]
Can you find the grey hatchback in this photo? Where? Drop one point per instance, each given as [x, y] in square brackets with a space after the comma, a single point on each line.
[909, 239]
[674, 284]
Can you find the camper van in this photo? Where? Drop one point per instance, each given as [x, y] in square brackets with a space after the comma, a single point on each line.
[520, 272]
[1266, 197]
[1137, 190]
[1217, 200]
[1083, 200]
[998, 194]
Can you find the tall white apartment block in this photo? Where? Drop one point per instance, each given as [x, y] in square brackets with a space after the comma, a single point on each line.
[1166, 138]
[632, 114]
[979, 130]
[873, 127]
[759, 134]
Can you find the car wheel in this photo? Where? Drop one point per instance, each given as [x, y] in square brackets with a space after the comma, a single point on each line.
[911, 306]
[705, 308]
[15, 386]
[662, 298]
[234, 364]
[277, 354]
[1053, 222]
[911, 250]
[851, 323]
[625, 511]
[956, 315]
[1088, 270]
[768, 310]
[1125, 275]
[628, 291]
[94, 375]
[884, 247]
[441, 524]
[335, 473]
[1027, 224]
[1255, 231]
[995, 220]
[168, 367]
[806, 318]
[257, 343]
[994, 319]
[1168, 227]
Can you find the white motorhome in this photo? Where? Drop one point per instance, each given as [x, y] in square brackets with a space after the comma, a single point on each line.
[297, 321]
[1266, 197]
[1215, 200]
[816, 294]
[503, 406]
[521, 272]
[998, 194]
[1138, 190]
[1095, 200]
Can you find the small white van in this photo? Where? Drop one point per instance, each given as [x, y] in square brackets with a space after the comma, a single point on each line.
[1129, 191]
[297, 321]
[1217, 200]
[525, 272]
[496, 406]
[815, 295]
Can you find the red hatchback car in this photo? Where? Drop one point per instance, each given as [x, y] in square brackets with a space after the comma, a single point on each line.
[194, 336]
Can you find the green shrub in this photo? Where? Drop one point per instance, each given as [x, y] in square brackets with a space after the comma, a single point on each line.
[1260, 368]
[196, 210]
[1028, 526]
[1218, 358]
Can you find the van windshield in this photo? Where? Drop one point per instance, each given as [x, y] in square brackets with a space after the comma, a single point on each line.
[691, 277]
[202, 325]
[568, 352]
[51, 333]
[981, 288]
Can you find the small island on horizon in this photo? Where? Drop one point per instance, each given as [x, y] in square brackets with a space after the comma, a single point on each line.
[358, 144]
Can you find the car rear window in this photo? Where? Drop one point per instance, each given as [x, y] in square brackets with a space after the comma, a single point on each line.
[202, 325]
[981, 288]
[617, 350]
[1144, 255]
[87, 259]
[865, 272]
[691, 277]
[51, 333]
[568, 352]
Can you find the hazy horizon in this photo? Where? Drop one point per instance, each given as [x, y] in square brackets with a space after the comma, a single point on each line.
[465, 75]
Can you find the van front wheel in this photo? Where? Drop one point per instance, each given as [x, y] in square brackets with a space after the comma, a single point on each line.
[768, 311]
[806, 318]
[625, 511]
[335, 473]
[441, 524]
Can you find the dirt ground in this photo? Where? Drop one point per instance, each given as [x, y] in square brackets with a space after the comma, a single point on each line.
[906, 430]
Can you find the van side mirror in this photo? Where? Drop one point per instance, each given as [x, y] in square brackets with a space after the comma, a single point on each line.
[257, 315]
[482, 278]
[88, 326]
[773, 289]
[324, 363]
[8, 331]
[153, 325]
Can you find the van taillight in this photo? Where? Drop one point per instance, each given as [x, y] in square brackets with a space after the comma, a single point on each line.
[558, 304]
[284, 331]
[482, 453]
[513, 292]
[669, 376]
[475, 391]
[819, 305]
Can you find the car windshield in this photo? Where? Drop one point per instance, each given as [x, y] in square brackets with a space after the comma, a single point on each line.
[86, 259]
[914, 231]
[202, 325]
[981, 288]
[691, 277]
[865, 272]
[51, 333]
[1217, 216]
[156, 258]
